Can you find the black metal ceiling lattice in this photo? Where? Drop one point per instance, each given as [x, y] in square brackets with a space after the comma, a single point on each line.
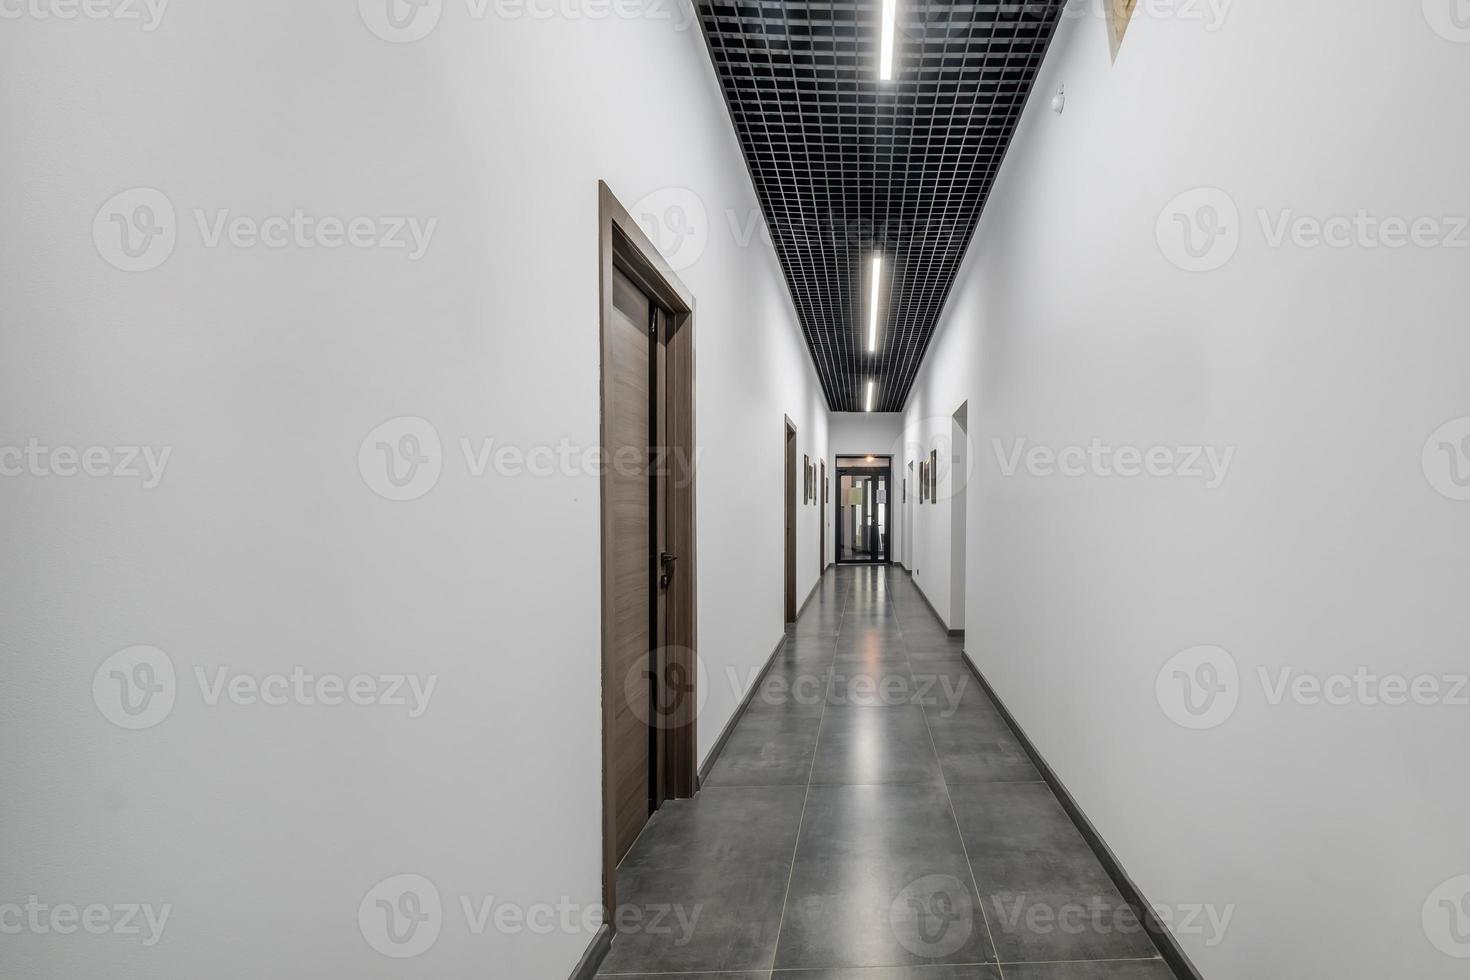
[847, 165]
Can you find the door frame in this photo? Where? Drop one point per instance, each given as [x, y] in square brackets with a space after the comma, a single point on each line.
[886, 472]
[789, 575]
[623, 245]
[822, 519]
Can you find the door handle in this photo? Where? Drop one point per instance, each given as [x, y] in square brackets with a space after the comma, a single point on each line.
[666, 565]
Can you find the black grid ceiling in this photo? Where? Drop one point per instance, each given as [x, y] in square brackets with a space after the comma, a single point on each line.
[845, 164]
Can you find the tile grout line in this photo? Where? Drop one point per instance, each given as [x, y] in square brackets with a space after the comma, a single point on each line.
[953, 815]
[801, 821]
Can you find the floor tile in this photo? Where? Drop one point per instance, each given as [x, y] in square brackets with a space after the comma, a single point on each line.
[689, 976]
[723, 918]
[721, 826]
[875, 745]
[1118, 970]
[768, 749]
[880, 880]
[896, 973]
[869, 687]
[975, 745]
[1046, 894]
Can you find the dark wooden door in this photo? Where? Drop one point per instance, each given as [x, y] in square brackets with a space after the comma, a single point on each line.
[629, 426]
[822, 538]
[790, 522]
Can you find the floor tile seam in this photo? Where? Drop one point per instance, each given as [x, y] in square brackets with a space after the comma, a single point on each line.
[954, 815]
[801, 821]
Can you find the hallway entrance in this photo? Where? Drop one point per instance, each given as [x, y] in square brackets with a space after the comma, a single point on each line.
[863, 496]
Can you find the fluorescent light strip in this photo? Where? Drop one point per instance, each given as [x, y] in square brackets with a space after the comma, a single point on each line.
[873, 304]
[885, 49]
[870, 395]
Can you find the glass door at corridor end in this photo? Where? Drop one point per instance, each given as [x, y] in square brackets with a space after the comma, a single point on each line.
[862, 516]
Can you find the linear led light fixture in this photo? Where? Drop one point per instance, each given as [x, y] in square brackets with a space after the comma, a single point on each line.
[870, 395]
[873, 304]
[885, 48]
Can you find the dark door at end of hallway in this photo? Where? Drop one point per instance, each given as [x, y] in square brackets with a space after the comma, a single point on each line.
[862, 517]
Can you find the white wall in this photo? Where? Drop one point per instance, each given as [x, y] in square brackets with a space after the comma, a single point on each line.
[263, 549]
[1326, 548]
[928, 427]
[861, 434]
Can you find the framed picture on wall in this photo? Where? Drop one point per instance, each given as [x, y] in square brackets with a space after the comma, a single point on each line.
[806, 479]
[923, 480]
[1120, 15]
[934, 476]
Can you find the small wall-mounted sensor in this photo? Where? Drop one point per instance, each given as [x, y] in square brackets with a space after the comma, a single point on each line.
[1059, 101]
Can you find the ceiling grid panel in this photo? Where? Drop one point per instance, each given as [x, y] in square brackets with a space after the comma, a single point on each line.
[847, 166]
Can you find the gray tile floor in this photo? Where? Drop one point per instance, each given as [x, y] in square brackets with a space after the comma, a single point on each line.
[872, 818]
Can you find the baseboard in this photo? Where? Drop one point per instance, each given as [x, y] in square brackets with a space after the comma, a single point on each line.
[591, 960]
[920, 589]
[714, 754]
[812, 594]
[1167, 945]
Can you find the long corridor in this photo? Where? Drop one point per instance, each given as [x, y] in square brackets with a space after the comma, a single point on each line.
[872, 816]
